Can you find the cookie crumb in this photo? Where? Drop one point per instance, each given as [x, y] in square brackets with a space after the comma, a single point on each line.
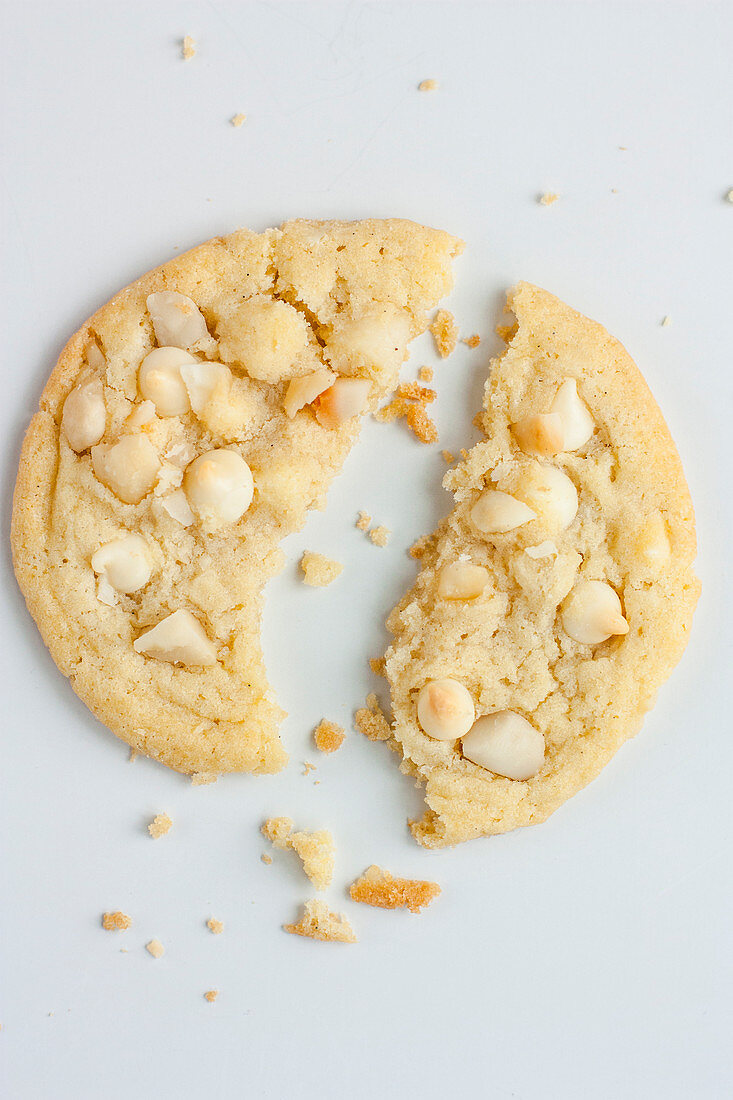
[318, 571]
[448, 456]
[211, 995]
[445, 332]
[378, 887]
[215, 926]
[188, 48]
[319, 923]
[132, 757]
[370, 720]
[116, 922]
[463, 453]
[426, 374]
[266, 858]
[308, 767]
[413, 391]
[380, 535]
[363, 520]
[376, 664]
[277, 830]
[548, 198]
[159, 826]
[472, 341]
[316, 850]
[238, 120]
[666, 321]
[200, 779]
[419, 547]
[429, 85]
[729, 195]
[328, 736]
[421, 424]
[506, 332]
[155, 948]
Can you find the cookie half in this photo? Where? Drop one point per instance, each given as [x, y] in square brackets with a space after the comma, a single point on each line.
[187, 427]
[556, 597]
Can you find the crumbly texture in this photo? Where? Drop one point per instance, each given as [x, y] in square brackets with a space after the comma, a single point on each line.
[445, 332]
[472, 341]
[328, 736]
[380, 535]
[116, 922]
[634, 529]
[316, 850]
[429, 85]
[159, 826]
[370, 721]
[448, 457]
[376, 664]
[548, 198]
[419, 546]
[278, 830]
[215, 926]
[211, 995]
[155, 948]
[319, 923]
[363, 520]
[238, 120]
[308, 767]
[351, 295]
[378, 887]
[188, 48]
[426, 374]
[318, 571]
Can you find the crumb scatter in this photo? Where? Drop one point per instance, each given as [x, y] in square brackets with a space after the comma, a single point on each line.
[116, 921]
[379, 888]
[317, 922]
[160, 825]
[188, 48]
[316, 850]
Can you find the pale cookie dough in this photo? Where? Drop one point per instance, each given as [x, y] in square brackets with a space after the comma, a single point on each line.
[143, 555]
[557, 596]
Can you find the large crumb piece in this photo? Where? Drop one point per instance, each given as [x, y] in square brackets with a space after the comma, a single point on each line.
[363, 520]
[318, 571]
[472, 341]
[116, 922]
[413, 391]
[238, 120]
[421, 425]
[547, 198]
[445, 332]
[370, 721]
[328, 736]
[319, 923]
[156, 949]
[188, 48]
[429, 85]
[316, 850]
[380, 535]
[215, 926]
[211, 995]
[278, 830]
[159, 826]
[378, 887]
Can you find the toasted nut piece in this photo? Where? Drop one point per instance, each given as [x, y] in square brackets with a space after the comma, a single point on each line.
[160, 381]
[577, 422]
[551, 494]
[445, 709]
[219, 487]
[141, 414]
[128, 468]
[347, 397]
[373, 342]
[540, 434]
[177, 320]
[125, 563]
[505, 743]
[546, 549]
[201, 379]
[178, 508]
[591, 612]
[94, 357]
[460, 580]
[179, 639]
[495, 513]
[301, 391]
[84, 417]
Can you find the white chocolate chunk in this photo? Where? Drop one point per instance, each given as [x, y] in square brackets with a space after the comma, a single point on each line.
[84, 417]
[177, 320]
[445, 709]
[160, 381]
[495, 513]
[577, 422]
[219, 487]
[201, 379]
[179, 639]
[460, 580]
[551, 494]
[372, 342]
[505, 743]
[301, 391]
[347, 397]
[178, 508]
[540, 434]
[591, 613]
[546, 549]
[125, 563]
[128, 468]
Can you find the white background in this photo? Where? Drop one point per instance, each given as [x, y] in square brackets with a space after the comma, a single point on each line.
[587, 957]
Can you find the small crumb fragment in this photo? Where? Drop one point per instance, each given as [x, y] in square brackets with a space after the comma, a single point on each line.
[363, 520]
[376, 664]
[211, 995]
[328, 736]
[200, 779]
[159, 826]
[316, 850]
[377, 887]
[238, 120]
[188, 48]
[445, 332]
[614, 190]
[421, 424]
[548, 198]
[397, 407]
[413, 391]
[380, 535]
[215, 926]
[448, 457]
[370, 720]
[277, 830]
[308, 767]
[426, 374]
[116, 922]
[666, 321]
[429, 85]
[729, 195]
[319, 923]
[472, 341]
[155, 948]
[266, 859]
[419, 547]
[506, 332]
[318, 571]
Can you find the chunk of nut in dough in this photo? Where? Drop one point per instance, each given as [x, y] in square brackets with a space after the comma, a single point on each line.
[219, 487]
[161, 382]
[301, 391]
[84, 417]
[373, 343]
[550, 493]
[652, 543]
[177, 320]
[445, 709]
[577, 422]
[591, 613]
[201, 379]
[505, 743]
[178, 639]
[461, 580]
[496, 513]
[128, 468]
[540, 434]
[125, 563]
[265, 337]
[347, 397]
[177, 507]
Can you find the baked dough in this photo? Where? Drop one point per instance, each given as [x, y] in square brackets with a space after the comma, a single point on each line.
[509, 645]
[330, 300]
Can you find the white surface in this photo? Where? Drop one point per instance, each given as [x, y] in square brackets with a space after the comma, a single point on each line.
[588, 957]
